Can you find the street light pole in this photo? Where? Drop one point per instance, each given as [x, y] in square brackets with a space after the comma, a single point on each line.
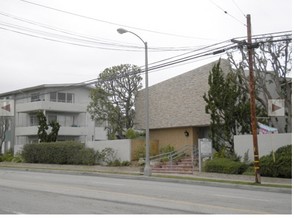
[147, 168]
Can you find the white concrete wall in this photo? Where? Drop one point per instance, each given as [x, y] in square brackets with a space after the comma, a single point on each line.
[121, 147]
[266, 143]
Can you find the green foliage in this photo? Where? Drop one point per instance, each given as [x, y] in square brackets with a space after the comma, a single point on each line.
[166, 149]
[7, 156]
[125, 163]
[106, 156]
[224, 152]
[115, 163]
[43, 127]
[132, 134]
[85, 156]
[114, 96]
[224, 165]
[4, 125]
[246, 158]
[140, 152]
[229, 108]
[58, 153]
[278, 163]
[17, 158]
[52, 136]
[10, 157]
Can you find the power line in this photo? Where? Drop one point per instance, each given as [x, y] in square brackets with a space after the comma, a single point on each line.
[68, 39]
[267, 35]
[56, 29]
[79, 37]
[8, 28]
[227, 13]
[239, 8]
[153, 68]
[113, 23]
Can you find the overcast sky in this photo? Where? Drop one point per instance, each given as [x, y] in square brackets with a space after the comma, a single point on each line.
[29, 58]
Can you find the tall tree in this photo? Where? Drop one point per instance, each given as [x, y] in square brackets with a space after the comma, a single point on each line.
[228, 106]
[272, 68]
[4, 124]
[43, 127]
[112, 101]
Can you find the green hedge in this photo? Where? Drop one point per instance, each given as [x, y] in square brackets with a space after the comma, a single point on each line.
[66, 152]
[278, 163]
[224, 165]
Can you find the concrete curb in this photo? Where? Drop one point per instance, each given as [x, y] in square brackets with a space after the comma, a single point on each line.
[116, 172]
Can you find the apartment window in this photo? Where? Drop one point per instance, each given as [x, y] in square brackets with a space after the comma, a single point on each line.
[61, 97]
[52, 118]
[53, 96]
[70, 98]
[35, 97]
[34, 120]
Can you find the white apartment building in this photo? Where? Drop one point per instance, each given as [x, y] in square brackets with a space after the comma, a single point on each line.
[62, 102]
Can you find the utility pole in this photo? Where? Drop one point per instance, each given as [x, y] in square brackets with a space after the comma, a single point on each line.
[252, 100]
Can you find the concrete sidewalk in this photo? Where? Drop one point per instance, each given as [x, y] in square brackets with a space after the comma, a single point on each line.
[135, 171]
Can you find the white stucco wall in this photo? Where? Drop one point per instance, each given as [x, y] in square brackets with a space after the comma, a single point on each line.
[266, 143]
[121, 147]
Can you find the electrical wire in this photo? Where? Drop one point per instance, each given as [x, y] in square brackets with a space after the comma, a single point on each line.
[239, 8]
[85, 41]
[152, 68]
[81, 42]
[36, 34]
[63, 31]
[94, 81]
[227, 13]
[113, 23]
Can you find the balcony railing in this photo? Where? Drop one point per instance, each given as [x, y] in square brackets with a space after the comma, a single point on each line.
[51, 106]
[66, 131]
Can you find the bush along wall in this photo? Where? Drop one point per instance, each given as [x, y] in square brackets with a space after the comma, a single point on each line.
[224, 165]
[278, 163]
[65, 152]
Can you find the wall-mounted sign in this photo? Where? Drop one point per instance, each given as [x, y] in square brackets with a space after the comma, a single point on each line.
[7, 107]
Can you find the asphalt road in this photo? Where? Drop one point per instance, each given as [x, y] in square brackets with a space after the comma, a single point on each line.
[24, 192]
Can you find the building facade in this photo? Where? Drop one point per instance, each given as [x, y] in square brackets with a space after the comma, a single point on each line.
[177, 109]
[63, 103]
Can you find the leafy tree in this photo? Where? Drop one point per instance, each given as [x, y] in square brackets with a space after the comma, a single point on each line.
[229, 108]
[272, 67]
[43, 127]
[112, 101]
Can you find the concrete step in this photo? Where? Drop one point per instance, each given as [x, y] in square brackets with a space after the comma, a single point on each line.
[184, 166]
[173, 170]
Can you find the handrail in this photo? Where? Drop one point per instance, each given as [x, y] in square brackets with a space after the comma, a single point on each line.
[175, 154]
[160, 156]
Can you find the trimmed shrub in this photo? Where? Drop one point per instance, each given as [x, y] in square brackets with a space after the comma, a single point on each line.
[278, 163]
[224, 165]
[67, 152]
[8, 156]
[85, 156]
